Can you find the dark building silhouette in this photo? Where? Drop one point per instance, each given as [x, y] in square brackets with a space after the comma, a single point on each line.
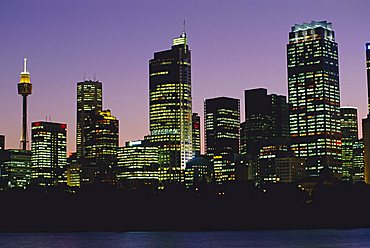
[196, 134]
[222, 124]
[49, 153]
[366, 121]
[198, 171]
[2, 142]
[170, 108]
[266, 121]
[24, 89]
[89, 102]
[313, 86]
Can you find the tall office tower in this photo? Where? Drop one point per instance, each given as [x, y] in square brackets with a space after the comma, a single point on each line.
[196, 134]
[349, 137]
[222, 124]
[137, 165]
[358, 167]
[266, 121]
[89, 101]
[313, 86]
[24, 89]
[49, 152]
[15, 168]
[366, 121]
[101, 146]
[2, 142]
[170, 110]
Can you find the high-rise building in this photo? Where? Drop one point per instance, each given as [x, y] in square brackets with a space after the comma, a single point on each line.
[137, 164]
[101, 147]
[349, 131]
[2, 142]
[358, 167]
[15, 168]
[89, 102]
[222, 124]
[366, 121]
[266, 121]
[170, 108]
[49, 153]
[313, 86]
[24, 89]
[196, 134]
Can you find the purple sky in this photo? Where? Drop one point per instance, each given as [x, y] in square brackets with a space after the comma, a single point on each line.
[235, 45]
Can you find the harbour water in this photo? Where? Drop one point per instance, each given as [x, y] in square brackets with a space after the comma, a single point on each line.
[269, 238]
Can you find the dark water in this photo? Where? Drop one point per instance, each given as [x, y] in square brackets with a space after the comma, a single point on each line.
[284, 238]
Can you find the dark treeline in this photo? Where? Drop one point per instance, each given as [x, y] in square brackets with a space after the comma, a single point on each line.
[235, 206]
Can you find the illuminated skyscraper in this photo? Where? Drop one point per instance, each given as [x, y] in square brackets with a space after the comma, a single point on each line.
[366, 121]
[102, 143]
[313, 85]
[196, 134]
[170, 109]
[24, 89]
[349, 137]
[358, 167]
[222, 124]
[89, 102]
[49, 152]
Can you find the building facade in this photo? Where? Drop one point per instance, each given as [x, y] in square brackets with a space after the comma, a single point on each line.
[89, 102]
[101, 148]
[2, 142]
[349, 131]
[15, 168]
[313, 86]
[266, 121]
[170, 108]
[138, 165]
[196, 135]
[222, 135]
[366, 121]
[49, 152]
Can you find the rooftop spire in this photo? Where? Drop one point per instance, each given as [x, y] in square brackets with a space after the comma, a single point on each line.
[25, 65]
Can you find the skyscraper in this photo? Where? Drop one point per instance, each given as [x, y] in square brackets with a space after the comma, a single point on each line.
[366, 121]
[313, 86]
[24, 89]
[49, 152]
[170, 108]
[266, 121]
[101, 145]
[89, 102]
[196, 134]
[222, 124]
[349, 137]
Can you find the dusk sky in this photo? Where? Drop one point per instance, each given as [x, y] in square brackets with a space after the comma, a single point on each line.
[236, 45]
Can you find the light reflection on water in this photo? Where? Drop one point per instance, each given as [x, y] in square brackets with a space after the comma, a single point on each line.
[276, 238]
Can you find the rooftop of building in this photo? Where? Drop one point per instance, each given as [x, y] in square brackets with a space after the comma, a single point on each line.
[312, 25]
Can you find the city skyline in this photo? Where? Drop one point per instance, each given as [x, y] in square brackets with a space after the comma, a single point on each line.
[124, 70]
